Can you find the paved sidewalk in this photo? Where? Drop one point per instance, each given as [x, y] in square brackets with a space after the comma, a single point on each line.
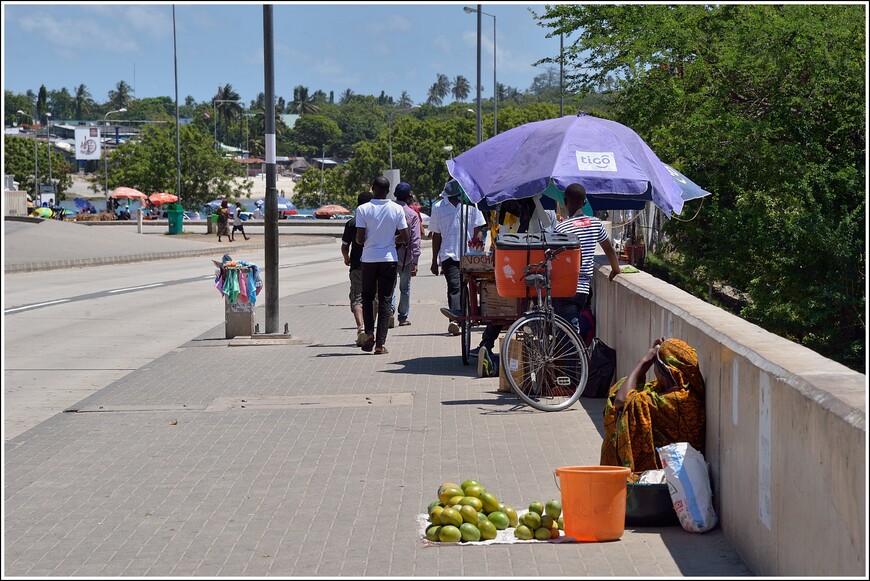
[297, 465]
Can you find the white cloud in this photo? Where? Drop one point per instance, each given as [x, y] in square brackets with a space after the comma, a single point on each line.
[65, 35]
[156, 22]
[442, 43]
[393, 23]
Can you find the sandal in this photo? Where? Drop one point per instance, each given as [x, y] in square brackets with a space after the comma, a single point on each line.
[380, 350]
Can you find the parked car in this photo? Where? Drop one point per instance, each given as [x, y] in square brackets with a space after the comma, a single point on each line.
[192, 215]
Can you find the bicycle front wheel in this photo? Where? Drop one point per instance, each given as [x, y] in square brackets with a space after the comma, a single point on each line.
[545, 362]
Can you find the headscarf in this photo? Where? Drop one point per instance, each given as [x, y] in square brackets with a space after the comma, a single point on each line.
[681, 360]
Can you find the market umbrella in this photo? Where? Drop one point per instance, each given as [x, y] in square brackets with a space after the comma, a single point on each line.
[286, 205]
[129, 193]
[43, 212]
[689, 189]
[611, 161]
[84, 204]
[161, 198]
[330, 210]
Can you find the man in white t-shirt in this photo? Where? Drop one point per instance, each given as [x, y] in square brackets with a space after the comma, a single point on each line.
[447, 236]
[380, 223]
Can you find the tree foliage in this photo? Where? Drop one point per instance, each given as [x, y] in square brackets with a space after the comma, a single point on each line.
[18, 161]
[764, 105]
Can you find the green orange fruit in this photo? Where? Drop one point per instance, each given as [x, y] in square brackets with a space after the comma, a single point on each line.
[553, 508]
[512, 515]
[472, 501]
[523, 532]
[499, 519]
[542, 534]
[537, 507]
[450, 516]
[469, 483]
[530, 519]
[547, 521]
[468, 513]
[469, 532]
[487, 530]
[445, 495]
[432, 532]
[435, 515]
[474, 490]
[449, 534]
[490, 502]
[561, 521]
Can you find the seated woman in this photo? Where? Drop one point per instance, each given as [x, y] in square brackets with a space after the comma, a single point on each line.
[638, 416]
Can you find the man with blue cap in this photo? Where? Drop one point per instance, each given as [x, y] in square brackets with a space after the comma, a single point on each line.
[408, 254]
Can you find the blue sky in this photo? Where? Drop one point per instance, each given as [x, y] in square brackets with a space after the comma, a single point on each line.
[328, 46]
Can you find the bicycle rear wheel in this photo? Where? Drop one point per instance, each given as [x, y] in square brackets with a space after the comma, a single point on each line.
[545, 362]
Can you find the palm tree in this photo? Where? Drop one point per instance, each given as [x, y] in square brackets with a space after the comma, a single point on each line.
[302, 102]
[82, 102]
[443, 86]
[405, 101]
[345, 97]
[120, 98]
[461, 88]
[227, 104]
[433, 98]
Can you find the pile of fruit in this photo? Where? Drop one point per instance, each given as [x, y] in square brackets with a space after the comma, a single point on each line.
[542, 522]
[467, 512]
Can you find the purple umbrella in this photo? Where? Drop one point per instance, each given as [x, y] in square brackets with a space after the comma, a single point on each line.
[609, 159]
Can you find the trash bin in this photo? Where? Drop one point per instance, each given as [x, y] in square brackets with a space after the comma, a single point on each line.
[175, 215]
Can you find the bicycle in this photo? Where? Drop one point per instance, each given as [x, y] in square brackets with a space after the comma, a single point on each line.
[544, 359]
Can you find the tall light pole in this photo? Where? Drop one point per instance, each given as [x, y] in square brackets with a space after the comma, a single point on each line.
[214, 112]
[106, 156]
[470, 10]
[48, 141]
[561, 73]
[35, 158]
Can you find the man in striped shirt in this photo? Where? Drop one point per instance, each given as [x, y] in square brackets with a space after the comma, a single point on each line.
[589, 230]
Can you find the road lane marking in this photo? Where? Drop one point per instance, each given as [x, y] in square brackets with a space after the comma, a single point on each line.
[36, 305]
[132, 288]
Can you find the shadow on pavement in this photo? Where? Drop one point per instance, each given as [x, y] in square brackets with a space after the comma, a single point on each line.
[433, 366]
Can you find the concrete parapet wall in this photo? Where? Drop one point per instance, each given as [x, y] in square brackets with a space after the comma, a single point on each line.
[786, 427]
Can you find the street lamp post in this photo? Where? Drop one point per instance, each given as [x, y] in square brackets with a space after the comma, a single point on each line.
[106, 156]
[470, 10]
[48, 142]
[35, 158]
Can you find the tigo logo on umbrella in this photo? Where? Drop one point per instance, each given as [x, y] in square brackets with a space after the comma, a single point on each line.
[596, 160]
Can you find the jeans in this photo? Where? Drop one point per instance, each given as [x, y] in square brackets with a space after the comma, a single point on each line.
[378, 278]
[570, 309]
[404, 281]
[450, 268]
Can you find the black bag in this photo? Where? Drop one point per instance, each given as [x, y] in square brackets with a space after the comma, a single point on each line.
[602, 366]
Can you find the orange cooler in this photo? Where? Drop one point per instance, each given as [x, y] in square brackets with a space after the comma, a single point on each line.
[513, 252]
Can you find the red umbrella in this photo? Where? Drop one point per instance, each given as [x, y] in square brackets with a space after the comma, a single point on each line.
[161, 198]
[128, 193]
[330, 210]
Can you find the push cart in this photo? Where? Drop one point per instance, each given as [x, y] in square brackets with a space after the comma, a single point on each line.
[480, 301]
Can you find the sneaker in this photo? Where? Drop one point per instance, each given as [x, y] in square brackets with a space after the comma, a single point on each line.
[453, 328]
[450, 314]
[485, 365]
[473, 353]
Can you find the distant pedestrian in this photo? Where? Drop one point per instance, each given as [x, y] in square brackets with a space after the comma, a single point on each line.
[378, 225]
[223, 220]
[448, 237]
[408, 255]
[237, 223]
[352, 252]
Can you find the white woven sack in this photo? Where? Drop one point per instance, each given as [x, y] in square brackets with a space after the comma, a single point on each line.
[689, 485]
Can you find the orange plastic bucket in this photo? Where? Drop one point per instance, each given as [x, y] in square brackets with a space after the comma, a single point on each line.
[593, 501]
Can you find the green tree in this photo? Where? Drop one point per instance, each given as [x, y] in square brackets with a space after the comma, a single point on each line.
[83, 102]
[42, 105]
[313, 133]
[311, 193]
[302, 103]
[227, 104]
[18, 161]
[119, 97]
[13, 103]
[765, 106]
[461, 88]
[405, 101]
[149, 165]
[345, 97]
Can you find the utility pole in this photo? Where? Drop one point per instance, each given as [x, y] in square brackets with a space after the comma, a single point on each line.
[271, 223]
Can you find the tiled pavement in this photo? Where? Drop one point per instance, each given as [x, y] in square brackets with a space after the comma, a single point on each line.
[196, 466]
